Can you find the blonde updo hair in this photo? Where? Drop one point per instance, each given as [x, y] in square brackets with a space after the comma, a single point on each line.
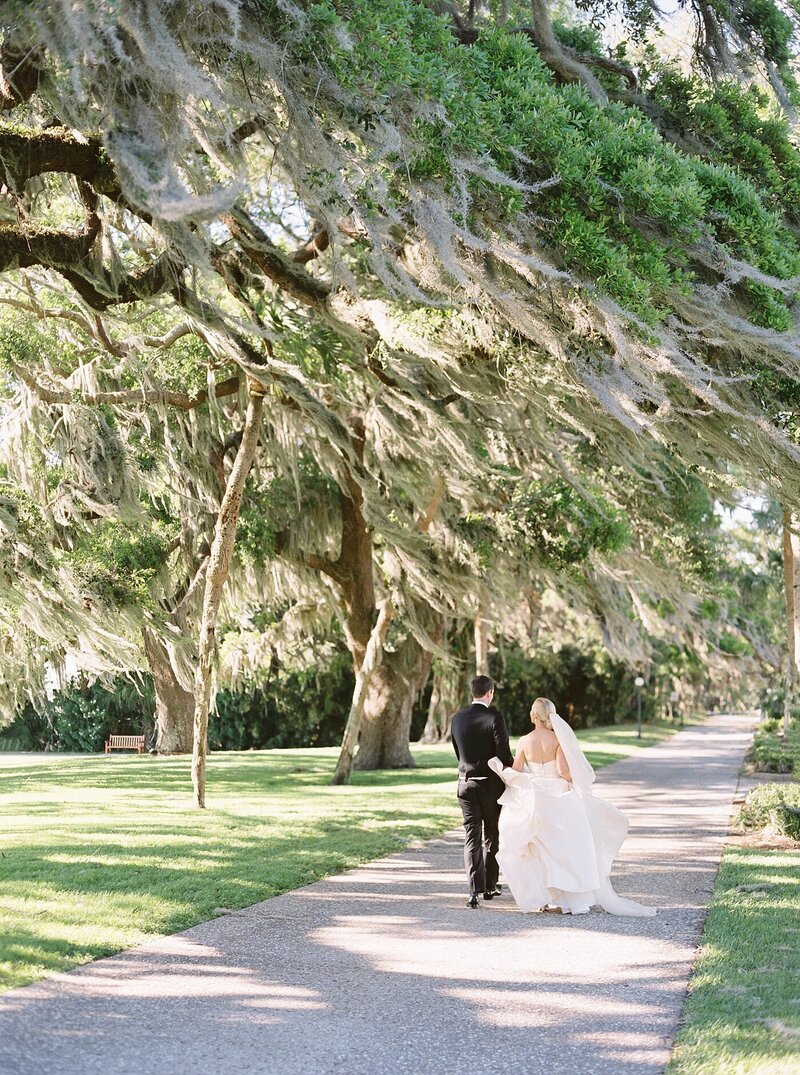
[541, 711]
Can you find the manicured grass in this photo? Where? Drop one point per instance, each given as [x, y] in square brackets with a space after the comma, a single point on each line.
[608, 744]
[742, 1016]
[99, 853]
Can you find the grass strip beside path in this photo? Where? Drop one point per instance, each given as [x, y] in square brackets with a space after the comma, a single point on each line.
[742, 1015]
[97, 854]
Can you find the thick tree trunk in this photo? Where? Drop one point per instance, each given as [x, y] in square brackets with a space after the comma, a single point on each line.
[174, 704]
[397, 680]
[354, 568]
[388, 710]
[445, 693]
[216, 576]
[364, 674]
[482, 641]
[791, 579]
[386, 729]
[379, 721]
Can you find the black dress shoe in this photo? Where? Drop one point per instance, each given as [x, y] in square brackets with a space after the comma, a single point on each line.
[472, 901]
[496, 891]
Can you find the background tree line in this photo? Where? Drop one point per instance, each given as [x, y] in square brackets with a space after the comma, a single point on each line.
[464, 318]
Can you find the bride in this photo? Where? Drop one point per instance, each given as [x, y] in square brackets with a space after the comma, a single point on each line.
[557, 841]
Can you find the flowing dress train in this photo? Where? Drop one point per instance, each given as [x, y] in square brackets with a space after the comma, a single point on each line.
[557, 840]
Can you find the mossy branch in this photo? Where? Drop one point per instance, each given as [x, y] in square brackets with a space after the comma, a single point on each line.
[26, 153]
[281, 268]
[20, 71]
[172, 398]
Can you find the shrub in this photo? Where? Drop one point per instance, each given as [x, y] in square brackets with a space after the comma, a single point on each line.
[585, 684]
[772, 753]
[295, 708]
[775, 807]
[80, 718]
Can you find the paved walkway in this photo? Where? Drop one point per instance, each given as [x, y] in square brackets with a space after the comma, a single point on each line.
[384, 968]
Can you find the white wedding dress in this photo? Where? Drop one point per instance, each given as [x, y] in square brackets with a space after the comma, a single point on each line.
[557, 840]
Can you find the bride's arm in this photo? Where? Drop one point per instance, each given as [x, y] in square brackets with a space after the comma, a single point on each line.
[561, 765]
[519, 760]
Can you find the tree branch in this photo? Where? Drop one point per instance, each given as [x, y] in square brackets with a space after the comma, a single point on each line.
[182, 400]
[566, 63]
[320, 240]
[556, 57]
[65, 251]
[19, 73]
[26, 153]
[325, 566]
[282, 269]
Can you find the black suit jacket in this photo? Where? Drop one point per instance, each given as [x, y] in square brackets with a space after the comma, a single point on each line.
[479, 734]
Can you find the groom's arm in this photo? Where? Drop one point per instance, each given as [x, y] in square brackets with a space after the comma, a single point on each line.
[502, 745]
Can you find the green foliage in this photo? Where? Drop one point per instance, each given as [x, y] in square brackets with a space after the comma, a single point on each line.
[734, 645]
[23, 340]
[80, 718]
[586, 685]
[117, 563]
[272, 503]
[772, 28]
[774, 753]
[560, 526]
[295, 708]
[21, 525]
[775, 807]
[743, 131]
[625, 200]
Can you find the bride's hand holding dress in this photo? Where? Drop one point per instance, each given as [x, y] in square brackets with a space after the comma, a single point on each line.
[557, 840]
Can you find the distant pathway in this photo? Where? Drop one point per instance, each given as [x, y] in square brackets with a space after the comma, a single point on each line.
[384, 969]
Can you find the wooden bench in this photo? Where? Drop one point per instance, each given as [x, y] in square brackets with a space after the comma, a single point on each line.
[125, 742]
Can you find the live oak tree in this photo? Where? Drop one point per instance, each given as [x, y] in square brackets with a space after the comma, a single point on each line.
[608, 234]
[129, 538]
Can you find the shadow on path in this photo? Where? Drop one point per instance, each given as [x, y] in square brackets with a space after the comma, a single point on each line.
[384, 967]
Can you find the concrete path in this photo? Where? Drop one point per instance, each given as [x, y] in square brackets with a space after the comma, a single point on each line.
[384, 968]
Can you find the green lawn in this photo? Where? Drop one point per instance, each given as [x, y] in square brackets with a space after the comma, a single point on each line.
[742, 1016]
[98, 853]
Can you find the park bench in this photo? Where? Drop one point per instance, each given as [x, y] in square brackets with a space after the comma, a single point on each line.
[125, 742]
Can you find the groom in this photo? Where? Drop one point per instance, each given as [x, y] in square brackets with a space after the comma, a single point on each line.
[479, 733]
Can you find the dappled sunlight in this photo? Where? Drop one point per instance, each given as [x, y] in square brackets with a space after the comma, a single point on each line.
[114, 852]
[546, 1007]
[407, 945]
[178, 969]
[389, 943]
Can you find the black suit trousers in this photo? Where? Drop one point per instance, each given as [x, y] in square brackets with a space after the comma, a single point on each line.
[478, 799]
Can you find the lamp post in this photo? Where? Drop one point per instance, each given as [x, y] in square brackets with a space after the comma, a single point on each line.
[639, 684]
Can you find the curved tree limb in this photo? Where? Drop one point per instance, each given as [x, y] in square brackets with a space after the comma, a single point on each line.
[566, 63]
[67, 251]
[555, 55]
[182, 400]
[282, 269]
[20, 71]
[26, 153]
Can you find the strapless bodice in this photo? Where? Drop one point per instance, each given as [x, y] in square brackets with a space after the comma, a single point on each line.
[542, 769]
